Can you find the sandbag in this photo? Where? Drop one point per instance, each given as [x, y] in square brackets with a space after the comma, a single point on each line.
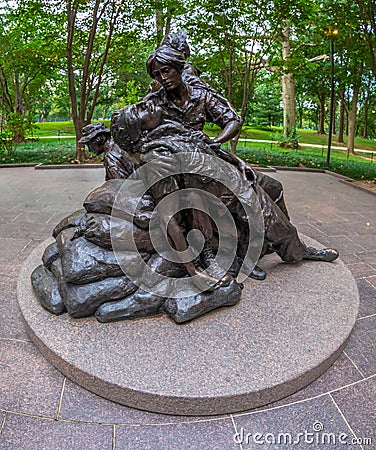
[138, 210]
[75, 220]
[133, 206]
[46, 289]
[101, 199]
[50, 254]
[188, 308]
[139, 304]
[57, 270]
[102, 228]
[84, 262]
[83, 300]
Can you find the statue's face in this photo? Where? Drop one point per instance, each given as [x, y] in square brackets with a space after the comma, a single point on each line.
[149, 115]
[167, 76]
[96, 148]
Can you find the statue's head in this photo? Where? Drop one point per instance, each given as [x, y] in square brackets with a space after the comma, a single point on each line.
[167, 56]
[128, 123]
[93, 131]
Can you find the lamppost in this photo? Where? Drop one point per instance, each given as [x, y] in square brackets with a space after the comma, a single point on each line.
[331, 33]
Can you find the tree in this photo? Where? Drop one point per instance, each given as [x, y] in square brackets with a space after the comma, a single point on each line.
[233, 39]
[28, 58]
[368, 103]
[350, 50]
[90, 28]
[367, 9]
[288, 82]
[294, 20]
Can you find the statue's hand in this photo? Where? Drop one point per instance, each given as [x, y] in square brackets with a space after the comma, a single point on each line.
[214, 142]
[243, 168]
[247, 171]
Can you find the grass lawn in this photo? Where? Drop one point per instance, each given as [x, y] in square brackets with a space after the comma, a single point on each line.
[309, 137]
[57, 128]
[53, 147]
[355, 167]
[305, 136]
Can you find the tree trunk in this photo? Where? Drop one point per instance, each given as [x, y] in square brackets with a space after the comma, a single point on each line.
[301, 118]
[81, 155]
[82, 110]
[71, 18]
[288, 84]
[341, 116]
[19, 109]
[352, 121]
[353, 114]
[334, 120]
[321, 124]
[159, 21]
[365, 122]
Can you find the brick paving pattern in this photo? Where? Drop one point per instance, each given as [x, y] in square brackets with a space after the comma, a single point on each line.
[41, 409]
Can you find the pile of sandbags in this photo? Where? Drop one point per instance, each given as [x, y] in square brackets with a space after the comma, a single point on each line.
[80, 270]
[82, 275]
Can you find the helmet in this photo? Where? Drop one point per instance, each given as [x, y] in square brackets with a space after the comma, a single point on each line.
[92, 130]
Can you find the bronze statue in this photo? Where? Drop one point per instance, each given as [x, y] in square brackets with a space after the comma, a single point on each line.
[187, 177]
[117, 163]
[190, 106]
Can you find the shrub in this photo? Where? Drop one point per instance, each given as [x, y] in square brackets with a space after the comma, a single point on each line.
[288, 140]
[352, 169]
[13, 131]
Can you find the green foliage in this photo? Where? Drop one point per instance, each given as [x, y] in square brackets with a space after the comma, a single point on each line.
[46, 152]
[6, 142]
[29, 54]
[233, 39]
[13, 131]
[352, 169]
[232, 43]
[264, 109]
[289, 139]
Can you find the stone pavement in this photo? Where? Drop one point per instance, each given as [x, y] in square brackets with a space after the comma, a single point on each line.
[41, 409]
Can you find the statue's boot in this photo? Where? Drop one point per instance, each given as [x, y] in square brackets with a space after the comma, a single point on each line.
[326, 254]
[207, 282]
[258, 274]
[202, 278]
[212, 267]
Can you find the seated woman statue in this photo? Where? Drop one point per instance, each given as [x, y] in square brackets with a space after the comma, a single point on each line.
[170, 120]
[191, 76]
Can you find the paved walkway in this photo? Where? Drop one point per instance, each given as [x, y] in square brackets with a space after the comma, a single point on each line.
[41, 409]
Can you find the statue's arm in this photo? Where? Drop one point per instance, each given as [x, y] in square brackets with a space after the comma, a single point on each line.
[229, 131]
[220, 112]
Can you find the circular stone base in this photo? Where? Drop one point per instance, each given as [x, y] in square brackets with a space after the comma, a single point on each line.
[284, 333]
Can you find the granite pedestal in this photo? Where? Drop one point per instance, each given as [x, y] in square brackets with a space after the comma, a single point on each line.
[284, 333]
